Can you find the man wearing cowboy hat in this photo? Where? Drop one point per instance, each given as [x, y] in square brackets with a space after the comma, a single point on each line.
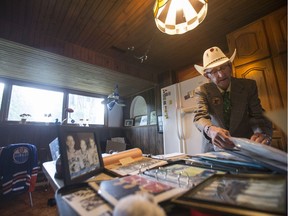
[239, 114]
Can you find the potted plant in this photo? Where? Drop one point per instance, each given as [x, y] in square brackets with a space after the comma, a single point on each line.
[24, 117]
[48, 117]
[69, 111]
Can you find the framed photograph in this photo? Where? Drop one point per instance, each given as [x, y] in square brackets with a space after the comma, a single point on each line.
[160, 124]
[137, 120]
[143, 120]
[153, 119]
[80, 154]
[239, 194]
[83, 199]
[128, 122]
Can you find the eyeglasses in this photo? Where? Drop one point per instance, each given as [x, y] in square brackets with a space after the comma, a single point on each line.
[216, 70]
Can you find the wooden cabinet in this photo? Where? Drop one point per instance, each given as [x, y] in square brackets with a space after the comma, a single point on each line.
[250, 42]
[276, 30]
[280, 66]
[262, 55]
[262, 71]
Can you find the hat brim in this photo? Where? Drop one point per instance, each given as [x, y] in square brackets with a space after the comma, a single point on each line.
[201, 69]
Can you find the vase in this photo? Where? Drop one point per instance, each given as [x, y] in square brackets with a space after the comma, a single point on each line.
[23, 121]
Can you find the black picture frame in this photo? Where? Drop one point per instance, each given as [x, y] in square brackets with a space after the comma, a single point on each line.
[235, 195]
[160, 123]
[128, 122]
[78, 165]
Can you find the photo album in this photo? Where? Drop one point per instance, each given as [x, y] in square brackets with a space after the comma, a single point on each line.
[239, 194]
[180, 175]
[115, 189]
[130, 162]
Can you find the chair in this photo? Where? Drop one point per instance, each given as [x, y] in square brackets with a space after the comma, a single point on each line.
[112, 146]
[18, 169]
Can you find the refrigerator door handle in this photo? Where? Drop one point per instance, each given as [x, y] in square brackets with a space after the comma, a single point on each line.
[178, 123]
[178, 112]
[183, 128]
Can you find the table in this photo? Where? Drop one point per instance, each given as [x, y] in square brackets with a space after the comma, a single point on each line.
[49, 170]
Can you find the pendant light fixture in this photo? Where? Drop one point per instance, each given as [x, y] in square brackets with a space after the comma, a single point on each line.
[179, 16]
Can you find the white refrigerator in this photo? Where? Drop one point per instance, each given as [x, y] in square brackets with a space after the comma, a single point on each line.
[179, 132]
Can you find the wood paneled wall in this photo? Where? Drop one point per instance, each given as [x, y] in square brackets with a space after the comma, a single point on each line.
[146, 138]
[42, 135]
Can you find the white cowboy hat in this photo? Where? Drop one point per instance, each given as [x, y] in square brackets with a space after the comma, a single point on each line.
[213, 57]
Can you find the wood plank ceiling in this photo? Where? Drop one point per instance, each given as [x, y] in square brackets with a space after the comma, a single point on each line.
[113, 35]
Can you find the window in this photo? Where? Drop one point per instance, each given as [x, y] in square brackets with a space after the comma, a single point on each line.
[1, 92]
[138, 111]
[42, 105]
[87, 110]
[138, 107]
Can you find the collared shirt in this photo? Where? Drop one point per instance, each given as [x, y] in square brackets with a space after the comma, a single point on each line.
[228, 89]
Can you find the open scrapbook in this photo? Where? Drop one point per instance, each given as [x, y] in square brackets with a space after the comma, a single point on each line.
[130, 162]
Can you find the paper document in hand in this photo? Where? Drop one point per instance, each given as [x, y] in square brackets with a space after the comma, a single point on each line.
[261, 152]
[219, 155]
[260, 149]
[224, 157]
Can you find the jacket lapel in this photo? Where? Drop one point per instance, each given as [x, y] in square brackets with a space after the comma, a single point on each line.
[215, 99]
[238, 99]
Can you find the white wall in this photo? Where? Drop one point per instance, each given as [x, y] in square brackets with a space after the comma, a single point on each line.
[115, 117]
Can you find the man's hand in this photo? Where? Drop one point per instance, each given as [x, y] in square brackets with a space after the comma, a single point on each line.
[261, 138]
[220, 137]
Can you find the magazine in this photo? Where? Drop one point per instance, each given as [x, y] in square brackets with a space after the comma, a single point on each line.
[130, 162]
[114, 190]
[87, 202]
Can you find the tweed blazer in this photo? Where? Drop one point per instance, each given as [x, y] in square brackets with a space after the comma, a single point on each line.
[246, 112]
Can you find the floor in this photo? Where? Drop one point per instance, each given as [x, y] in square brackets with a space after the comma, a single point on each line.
[20, 205]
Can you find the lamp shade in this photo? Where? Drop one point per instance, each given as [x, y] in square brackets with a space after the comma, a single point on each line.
[179, 16]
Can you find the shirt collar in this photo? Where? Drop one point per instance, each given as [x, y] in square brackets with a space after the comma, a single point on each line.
[228, 89]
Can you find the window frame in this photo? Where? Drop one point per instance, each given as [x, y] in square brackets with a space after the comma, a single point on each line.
[87, 94]
[7, 92]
